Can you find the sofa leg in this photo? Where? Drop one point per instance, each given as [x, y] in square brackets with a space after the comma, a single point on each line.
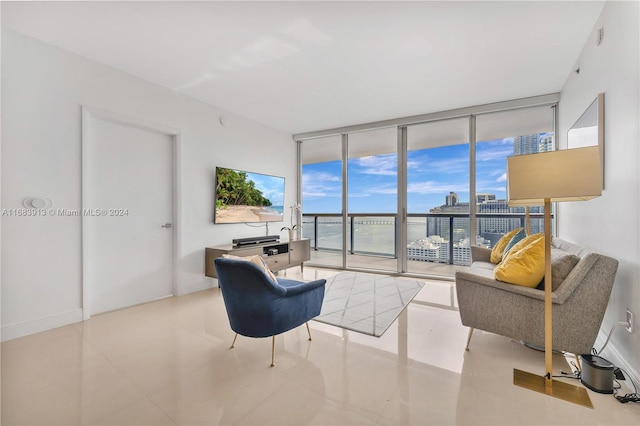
[308, 331]
[273, 351]
[469, 338]
[233, 344]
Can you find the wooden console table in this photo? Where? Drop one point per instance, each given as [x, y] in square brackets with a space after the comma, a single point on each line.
[278, 255]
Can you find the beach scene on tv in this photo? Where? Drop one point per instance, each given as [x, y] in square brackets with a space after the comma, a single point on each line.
[248, 197]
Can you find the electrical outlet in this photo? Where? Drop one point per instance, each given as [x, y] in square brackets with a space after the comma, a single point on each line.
[629, 321]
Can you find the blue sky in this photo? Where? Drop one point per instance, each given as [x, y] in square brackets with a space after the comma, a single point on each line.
[272, 187]
[431, 175]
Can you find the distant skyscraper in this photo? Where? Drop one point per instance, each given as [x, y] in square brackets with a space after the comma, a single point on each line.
[441, 226]
[527, 144]
[452, 199]
[546, 144]
[495, 225]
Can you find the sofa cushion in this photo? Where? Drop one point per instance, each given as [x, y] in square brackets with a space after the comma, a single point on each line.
[562, 263]
[524, 263]
[498, 248]
[482, 265]
[258, 260]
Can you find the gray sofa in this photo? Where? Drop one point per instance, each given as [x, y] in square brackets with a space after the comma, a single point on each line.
[579, 301]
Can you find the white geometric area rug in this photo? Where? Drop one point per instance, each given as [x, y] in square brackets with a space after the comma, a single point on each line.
[366, 303]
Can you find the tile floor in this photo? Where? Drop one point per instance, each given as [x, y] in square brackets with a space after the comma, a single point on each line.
[169, 362]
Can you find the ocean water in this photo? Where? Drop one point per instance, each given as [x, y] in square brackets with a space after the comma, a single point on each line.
[378, 238]
[376, 235]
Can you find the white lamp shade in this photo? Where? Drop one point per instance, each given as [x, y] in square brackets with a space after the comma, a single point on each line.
[565, 175]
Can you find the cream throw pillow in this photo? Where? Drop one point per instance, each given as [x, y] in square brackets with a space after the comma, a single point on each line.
[258, 260]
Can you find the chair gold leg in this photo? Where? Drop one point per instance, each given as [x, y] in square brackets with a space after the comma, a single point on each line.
[273, 351]
[308, 331]
[233, 344]
[469, 338]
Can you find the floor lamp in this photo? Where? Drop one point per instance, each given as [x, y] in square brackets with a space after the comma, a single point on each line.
[543, 178]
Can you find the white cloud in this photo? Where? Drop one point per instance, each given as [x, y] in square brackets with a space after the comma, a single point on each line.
[412, 164]
[319, 177]
[431, 187]
[314, 194]
[494, 153]
[321, 184]
[385, 191]
[385, 165]
[491, 186]
[502, 178]
[449, 166]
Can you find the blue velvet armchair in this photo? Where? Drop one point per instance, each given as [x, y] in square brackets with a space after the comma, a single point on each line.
[259, 307]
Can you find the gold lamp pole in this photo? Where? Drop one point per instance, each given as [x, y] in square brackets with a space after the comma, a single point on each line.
[543, 178]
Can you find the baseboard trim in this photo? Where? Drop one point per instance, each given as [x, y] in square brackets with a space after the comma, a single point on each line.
[198, 286]
[26, 328]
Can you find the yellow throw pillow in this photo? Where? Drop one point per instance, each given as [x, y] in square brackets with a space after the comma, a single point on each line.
[498, 249]
[258, 260]
[524, 263]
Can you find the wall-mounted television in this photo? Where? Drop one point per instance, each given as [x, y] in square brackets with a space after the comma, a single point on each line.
[245, 197]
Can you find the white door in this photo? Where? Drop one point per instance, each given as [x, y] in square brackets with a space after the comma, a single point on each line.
[128, 215]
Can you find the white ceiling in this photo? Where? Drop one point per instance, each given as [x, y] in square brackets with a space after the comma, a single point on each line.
[304, 66]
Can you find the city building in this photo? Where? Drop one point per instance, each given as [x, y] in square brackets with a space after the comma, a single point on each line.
[430, 249]
[452, 199]
[490, 226]
[547, 143]
[527, 144]
[483, 198]
[462, 250]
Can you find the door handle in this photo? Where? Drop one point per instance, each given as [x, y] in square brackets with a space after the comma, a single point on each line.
[167, 225]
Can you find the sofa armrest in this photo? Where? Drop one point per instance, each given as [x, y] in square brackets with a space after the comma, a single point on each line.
[481, 254]
[294, 287]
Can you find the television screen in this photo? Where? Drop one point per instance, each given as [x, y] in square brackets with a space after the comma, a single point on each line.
[243, 197]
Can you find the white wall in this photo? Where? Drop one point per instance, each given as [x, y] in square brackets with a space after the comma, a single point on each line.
[44, 89]
[610, 224]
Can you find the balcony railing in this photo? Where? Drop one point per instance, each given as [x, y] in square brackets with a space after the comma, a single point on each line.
[376, 233]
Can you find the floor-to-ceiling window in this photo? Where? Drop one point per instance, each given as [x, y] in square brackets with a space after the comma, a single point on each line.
[372, 183]
[413, 195]
[322, 199]
[437, 195]
[500, 135]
